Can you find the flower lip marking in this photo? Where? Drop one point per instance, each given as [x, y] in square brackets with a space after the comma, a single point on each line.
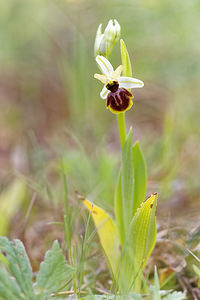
[112, 86]
[119, 99]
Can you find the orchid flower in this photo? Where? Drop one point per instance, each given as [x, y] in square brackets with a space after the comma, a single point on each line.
[119, 99]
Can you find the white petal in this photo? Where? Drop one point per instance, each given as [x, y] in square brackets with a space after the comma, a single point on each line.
[129, 82]
[101, 77]
[104, 92]
[104, 65]
[116, 74]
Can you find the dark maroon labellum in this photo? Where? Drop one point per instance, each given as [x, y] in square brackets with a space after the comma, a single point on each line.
[119, 98]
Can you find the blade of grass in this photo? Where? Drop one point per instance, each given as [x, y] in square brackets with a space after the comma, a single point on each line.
[66, 215]
[84, 246]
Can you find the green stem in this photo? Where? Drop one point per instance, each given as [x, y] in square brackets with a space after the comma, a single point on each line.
[122, 128]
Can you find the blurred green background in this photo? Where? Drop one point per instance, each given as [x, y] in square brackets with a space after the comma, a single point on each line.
[51, 109]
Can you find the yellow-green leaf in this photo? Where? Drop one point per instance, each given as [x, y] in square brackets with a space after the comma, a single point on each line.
[126, 63]
[10, 200]
[108, 234]
[139, 244]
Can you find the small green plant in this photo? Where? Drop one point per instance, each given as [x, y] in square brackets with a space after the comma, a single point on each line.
[54, 278]
[16, 278]
[158, 294]
[128, 240]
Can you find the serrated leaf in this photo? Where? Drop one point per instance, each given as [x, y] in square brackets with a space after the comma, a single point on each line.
[54, 272]
[9, 288]
[126, 63]
[18, 265]
[108, 234]
[139, 177]
[10, 200]
[175, 296]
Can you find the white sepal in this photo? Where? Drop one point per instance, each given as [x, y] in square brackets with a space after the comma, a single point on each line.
[104, 65]
[104, 92]
[129, 82]
[101, 77]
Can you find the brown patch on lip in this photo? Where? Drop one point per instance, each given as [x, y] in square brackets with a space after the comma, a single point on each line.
[119, 100]
[94, 212]
[113, 87]
[151, 205]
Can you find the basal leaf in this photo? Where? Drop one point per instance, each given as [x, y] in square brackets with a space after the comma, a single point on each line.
[139, 177]
[108, 234]
[9, 288]
[138, 246]
[18, 265]
[54, 272]
[143, 226]
[175, 296]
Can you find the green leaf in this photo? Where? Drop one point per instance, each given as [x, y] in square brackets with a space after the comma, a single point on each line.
[175, 296]
[54, 272]
[196, 270]
[9, 288]
[127, 181]
[156, 287]
[130, 192]
[144, 227]
[158, 294]
[126, 63]
[119, 210]
[140, 177]
[18, 265]
[140, 241]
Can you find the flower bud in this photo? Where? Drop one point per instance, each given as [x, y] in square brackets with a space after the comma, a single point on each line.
[105, 42]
